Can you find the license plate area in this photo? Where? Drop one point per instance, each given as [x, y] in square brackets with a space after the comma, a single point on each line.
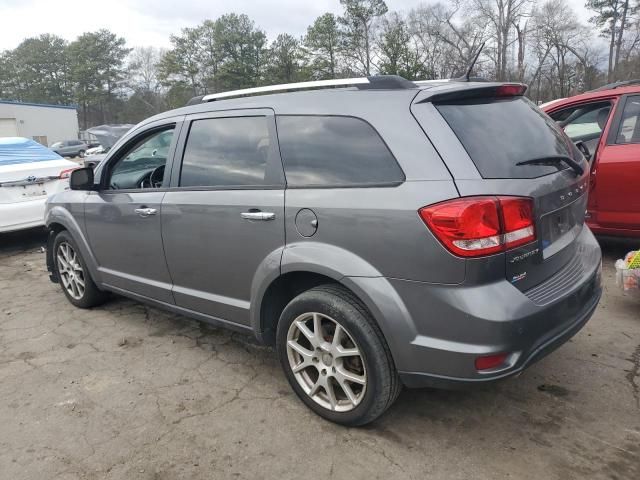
[29, 192]
[559, 228]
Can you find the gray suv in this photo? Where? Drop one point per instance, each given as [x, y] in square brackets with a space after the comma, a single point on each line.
[382, 234]
[70, 148]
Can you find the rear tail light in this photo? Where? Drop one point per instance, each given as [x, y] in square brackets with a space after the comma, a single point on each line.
[478, 226]
[66, 173]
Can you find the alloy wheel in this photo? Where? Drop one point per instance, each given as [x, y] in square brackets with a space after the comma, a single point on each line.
[326, 362]
[70, 270]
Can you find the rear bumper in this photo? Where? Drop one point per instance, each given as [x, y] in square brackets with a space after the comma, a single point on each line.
[420, 379]
[438, 331]
[22, 215]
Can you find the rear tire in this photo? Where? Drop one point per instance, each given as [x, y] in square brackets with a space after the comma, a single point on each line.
[73, 275]
[335, 356]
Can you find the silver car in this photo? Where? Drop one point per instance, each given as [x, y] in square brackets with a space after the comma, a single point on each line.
[70, 148]
[378, 235]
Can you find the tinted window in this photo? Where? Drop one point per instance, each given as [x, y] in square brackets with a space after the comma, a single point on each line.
[498, 134]
[230, 151]
[630, 123]
[321, 151]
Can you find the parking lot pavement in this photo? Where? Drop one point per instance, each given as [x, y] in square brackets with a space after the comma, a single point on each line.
[129, 392]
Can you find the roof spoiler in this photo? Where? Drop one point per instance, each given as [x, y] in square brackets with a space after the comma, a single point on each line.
[496, 90]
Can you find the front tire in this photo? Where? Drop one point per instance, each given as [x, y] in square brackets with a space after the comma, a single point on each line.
[73, 275]
[81, 153]
[335, 356]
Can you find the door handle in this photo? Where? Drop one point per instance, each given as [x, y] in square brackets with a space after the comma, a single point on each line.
[145, 212]
[264, 216]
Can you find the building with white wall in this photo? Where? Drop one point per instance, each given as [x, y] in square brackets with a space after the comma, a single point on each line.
[43, 123]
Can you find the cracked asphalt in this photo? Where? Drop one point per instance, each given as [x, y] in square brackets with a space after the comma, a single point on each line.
[130, 392]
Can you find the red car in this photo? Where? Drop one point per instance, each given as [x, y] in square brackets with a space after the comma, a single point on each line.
[605, 124]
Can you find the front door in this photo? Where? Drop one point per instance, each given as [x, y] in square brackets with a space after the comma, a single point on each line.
[123, 218]
[617, 171]
[223, 218]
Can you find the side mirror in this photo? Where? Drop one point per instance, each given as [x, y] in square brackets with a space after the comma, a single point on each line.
[82, 179]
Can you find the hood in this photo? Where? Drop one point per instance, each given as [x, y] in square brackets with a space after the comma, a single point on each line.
[108, 135]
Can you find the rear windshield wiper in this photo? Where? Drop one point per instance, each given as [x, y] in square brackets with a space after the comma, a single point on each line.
[555, 159]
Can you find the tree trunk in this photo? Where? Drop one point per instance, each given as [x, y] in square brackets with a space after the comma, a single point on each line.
[623, 20]
[611, 48]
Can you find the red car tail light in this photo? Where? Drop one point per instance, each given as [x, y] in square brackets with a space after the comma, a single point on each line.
[478, 226]
[517, 218]
[66, 173]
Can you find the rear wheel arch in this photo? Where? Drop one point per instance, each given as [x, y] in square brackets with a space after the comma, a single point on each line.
[284, 288]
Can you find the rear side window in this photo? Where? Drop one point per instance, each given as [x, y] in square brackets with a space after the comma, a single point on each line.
[226, 152]
[500, 133]
[629, 131]
[322, 151]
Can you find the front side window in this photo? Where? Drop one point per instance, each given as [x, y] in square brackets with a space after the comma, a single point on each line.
[629, 131]
[320, 151]
[226, 152]
[142, 165]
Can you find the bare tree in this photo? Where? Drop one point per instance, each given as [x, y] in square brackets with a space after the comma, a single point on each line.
[502, 15]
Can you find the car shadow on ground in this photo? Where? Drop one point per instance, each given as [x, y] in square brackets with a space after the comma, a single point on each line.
[22, 240]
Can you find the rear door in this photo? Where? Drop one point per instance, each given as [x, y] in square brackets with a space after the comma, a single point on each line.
[223, 218]
[616, 174]
[504, 145]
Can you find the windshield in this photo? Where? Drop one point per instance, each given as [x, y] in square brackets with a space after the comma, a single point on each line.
[500, 135]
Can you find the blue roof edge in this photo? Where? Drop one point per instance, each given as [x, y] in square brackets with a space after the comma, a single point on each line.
[29, 104]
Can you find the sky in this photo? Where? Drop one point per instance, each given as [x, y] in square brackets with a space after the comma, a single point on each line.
[151, 22]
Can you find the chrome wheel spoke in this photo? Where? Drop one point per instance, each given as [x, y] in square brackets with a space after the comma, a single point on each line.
[348, 391]
[317, 328]
[331, 395]
[343, 375]
[62, 262]
[303, 352]
[307, 333]
[315, 388]
[346, 352]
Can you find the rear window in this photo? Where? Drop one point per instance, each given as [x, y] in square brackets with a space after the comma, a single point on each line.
[322, 151]
[499, 133]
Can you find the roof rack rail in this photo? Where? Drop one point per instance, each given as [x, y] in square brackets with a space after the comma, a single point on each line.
[429, 82]
[611, 86]
[363, 83]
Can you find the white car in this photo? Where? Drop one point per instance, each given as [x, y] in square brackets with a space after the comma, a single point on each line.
[29, 173]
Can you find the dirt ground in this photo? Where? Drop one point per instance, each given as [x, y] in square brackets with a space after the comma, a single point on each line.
[129, 392]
